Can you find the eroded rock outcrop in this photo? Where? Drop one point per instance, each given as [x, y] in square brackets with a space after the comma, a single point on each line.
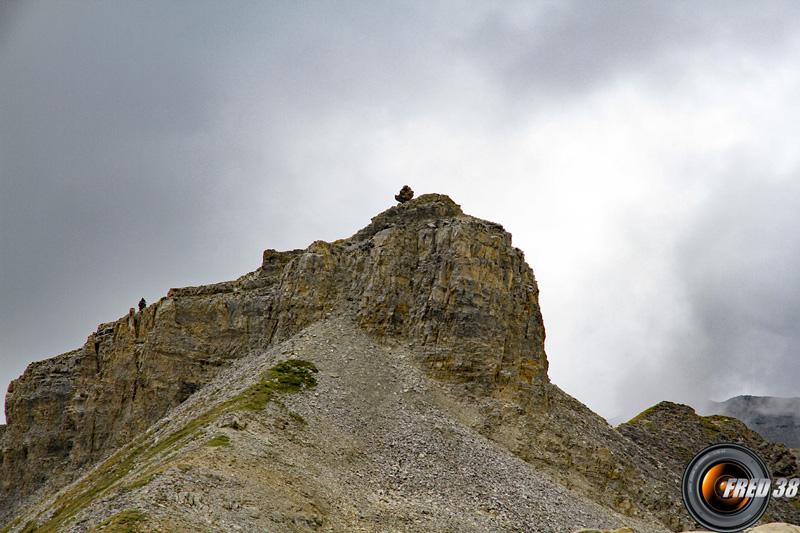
[674, 433]
[450, 288]
[423, 271]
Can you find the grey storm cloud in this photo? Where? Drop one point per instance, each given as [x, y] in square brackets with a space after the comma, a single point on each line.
[740, 268]
[566, 47]
[145, 145]
[737, 265]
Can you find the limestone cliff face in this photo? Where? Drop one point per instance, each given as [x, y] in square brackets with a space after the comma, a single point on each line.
[449, 288]
[450, 284]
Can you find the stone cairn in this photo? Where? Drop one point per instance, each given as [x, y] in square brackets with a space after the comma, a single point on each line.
[404, 195]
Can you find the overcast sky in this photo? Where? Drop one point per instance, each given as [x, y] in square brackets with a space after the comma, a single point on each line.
[644, 155]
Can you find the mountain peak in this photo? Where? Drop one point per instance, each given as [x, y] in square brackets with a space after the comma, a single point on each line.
[422, 338]
[421, 273]
[426, 207]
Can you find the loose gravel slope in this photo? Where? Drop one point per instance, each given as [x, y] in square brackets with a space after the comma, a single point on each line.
[372, 447]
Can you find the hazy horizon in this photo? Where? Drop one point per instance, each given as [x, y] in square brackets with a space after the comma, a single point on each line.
[642, 154]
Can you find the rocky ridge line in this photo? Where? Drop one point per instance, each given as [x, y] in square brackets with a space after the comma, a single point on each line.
[450, 287]
[674, 433]
[449, 283]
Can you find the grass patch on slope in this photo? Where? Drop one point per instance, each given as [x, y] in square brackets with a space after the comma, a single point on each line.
[29, 527]
[219, 440]
[124, 522]
[644, 414]
[286, 377]
[141, 481]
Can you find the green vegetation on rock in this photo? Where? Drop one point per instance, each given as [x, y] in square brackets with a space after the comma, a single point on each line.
[219, 440]
[647, 412]
[139, 482]
[286, 377]
[124, 522]
[30, 527]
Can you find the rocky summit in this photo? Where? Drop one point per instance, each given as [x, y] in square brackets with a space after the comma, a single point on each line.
[395, 380]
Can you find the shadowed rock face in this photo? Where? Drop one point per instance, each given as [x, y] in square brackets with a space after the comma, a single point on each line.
[422, 271]
[674, 433]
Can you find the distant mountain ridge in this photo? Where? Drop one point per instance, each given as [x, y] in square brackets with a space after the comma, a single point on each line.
[776, 419]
